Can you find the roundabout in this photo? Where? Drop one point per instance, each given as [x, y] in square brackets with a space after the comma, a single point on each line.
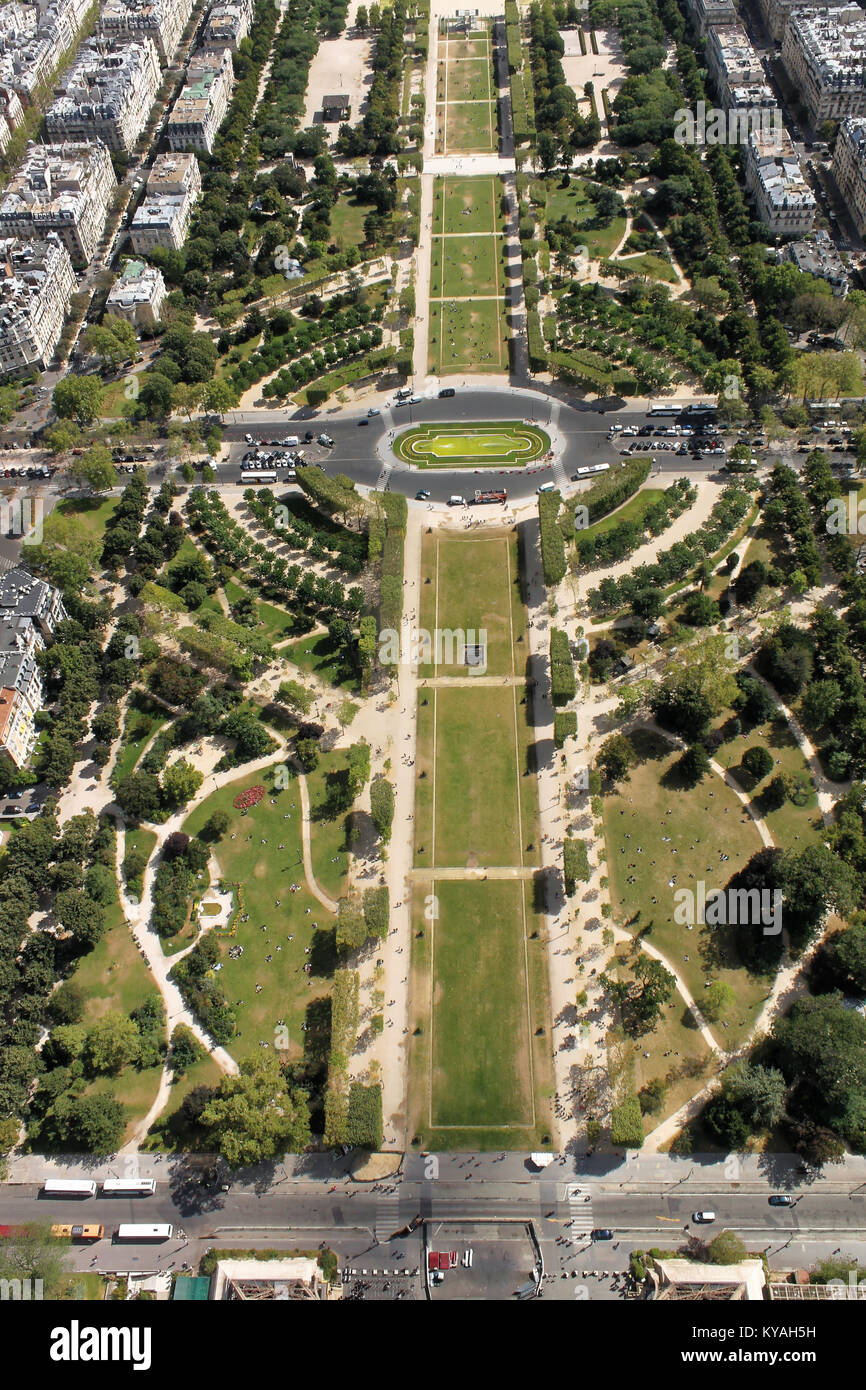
[494, 444]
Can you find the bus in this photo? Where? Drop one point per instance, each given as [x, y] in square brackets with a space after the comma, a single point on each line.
[664, 410]
[68, 1187]
[129, 1187]
[590, 469]
[490, 495]
[258, 475]
[78, 1232]
[138, 1232]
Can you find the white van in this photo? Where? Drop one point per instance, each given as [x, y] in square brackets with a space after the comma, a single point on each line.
[403, 393]
[290, 442]
[546, 487]
[456, 501]
[703, 1218]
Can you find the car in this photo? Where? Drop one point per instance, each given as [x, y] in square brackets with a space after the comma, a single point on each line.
[325, 440]
[308, 437]
[421, 495]
[683, 450]
[834, 439]
[615, 429]
[628, 431]
[446, 391]
[703, 1218]
[415, 400]
[249, 439]
[363, 420]
[601, 1233]
[780, 1199]
[374, 410]
[14, 794]
[644, 430]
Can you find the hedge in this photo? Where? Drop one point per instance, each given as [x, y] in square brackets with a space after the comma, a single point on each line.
[609, 492]
[535, 342]
[563, 686]
[382, 806]
[564, 726]
[552, 543]
[377, 911]
[575, 863]
[626, 1124]
[364, 1118]
[345, 1014]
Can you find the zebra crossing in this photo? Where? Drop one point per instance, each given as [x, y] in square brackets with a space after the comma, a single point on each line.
[387, 1217]
[580, 1211]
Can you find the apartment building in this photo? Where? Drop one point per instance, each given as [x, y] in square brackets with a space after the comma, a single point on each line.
[775, 14]
[704, 13]
[138, 294]
[64, 188]
[162, 21]
[731, 60]
[227, 24]
[30, 610]
[107, 94]
[849, 168]
[818, 256]
[32, 39]
[824, 53]
[201, 106]
[163, 218]
[36, 284]
[783, 199]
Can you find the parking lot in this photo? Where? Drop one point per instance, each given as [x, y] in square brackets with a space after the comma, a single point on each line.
[503, 1259]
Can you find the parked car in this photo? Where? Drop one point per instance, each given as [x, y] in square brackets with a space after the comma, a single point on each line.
[363, 420]
[703, 1218]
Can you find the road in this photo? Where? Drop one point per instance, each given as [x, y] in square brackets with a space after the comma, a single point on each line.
[353, 1218]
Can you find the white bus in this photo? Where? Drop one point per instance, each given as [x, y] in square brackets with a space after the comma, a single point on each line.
[138, 1232]
[129, 1187]
[68, 1187]
[590, 469]
[665, 410]
[258, 475]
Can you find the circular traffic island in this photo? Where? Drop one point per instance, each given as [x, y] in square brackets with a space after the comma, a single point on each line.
[497, 444]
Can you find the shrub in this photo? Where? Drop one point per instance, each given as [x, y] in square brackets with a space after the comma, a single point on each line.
[626, 1126]
[575, 861]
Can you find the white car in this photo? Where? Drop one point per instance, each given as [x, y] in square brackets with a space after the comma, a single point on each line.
[374, 410]
[415, 400]
[703, 1218]
[629, 430]
[249, 439]
[615, 429]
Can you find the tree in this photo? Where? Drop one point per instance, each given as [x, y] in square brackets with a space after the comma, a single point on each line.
[758, 761]
[219, 396]
[79, 914]
[113, 341]
[293, 694]
[307, 750]
[615, 757]
[716, 1000]
[547, 151]
[382, 806]
[95, 468]
[186, 1049]
[361, 20]
[215, 826]
[138, 796]
[32, 1253]
[757, 1091]
[694, 764]
[254, 1115]
[94, 1124]
[77, 398]
[180, 782]
[112, 1043]
[726, 1249]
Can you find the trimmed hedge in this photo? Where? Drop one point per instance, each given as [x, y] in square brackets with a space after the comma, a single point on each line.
[564, 726]
[563, 686]
[626, 1124]
[377, 911]
[552, 544]
[364, 1117]
[575, 863]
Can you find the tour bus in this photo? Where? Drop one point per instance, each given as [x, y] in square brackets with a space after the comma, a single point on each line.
[139, 1232]
[68, 1187]
[259, 476]
[664, 410]
[78, 1232]
[591, 468]
[129, 1187]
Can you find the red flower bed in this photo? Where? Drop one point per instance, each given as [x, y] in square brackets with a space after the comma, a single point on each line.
[251, 797]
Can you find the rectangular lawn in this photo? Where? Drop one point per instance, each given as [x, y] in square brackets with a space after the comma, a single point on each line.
[465, 266]
[478, 818]
[463, 206]
[470, 127]
[467, 336]
[467, 79]
[481, 1073]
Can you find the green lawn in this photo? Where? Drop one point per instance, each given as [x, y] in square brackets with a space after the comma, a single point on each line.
[467, 79]
[575, 202]
[481, 1051]
[488, 445]
[465, 265]
[276, 622]
[78, 524]
[478, 813]
[470, 127]
[659, 839]
[170, 1132]
[462, 206]
[139, 726]
[791, 826]
[267, 873]
[635, 509]
[316, 655]
[347, 222]
[483, 602]
[648, 264]
[139, 839]
[468, 336]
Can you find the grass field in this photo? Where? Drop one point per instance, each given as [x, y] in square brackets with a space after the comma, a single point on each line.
[792, 826]
[465, 206]
[470, 127]
[635, 509]
[508, 442]
[464, 79]
[467, 336]
[466, 265]
[480, 1068]
[267, 872]
[317, 655]
[674, 839]
[656, 267]
[576, 203]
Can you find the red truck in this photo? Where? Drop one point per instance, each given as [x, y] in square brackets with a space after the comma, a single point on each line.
[442, 1259]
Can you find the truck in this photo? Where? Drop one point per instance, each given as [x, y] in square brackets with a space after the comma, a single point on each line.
[442, 1259]
[490, 495]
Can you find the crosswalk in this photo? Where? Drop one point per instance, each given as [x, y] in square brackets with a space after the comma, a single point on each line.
[387, 1216]
[580, 1211]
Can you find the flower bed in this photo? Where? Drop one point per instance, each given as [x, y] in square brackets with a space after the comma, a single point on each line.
[251, 797]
